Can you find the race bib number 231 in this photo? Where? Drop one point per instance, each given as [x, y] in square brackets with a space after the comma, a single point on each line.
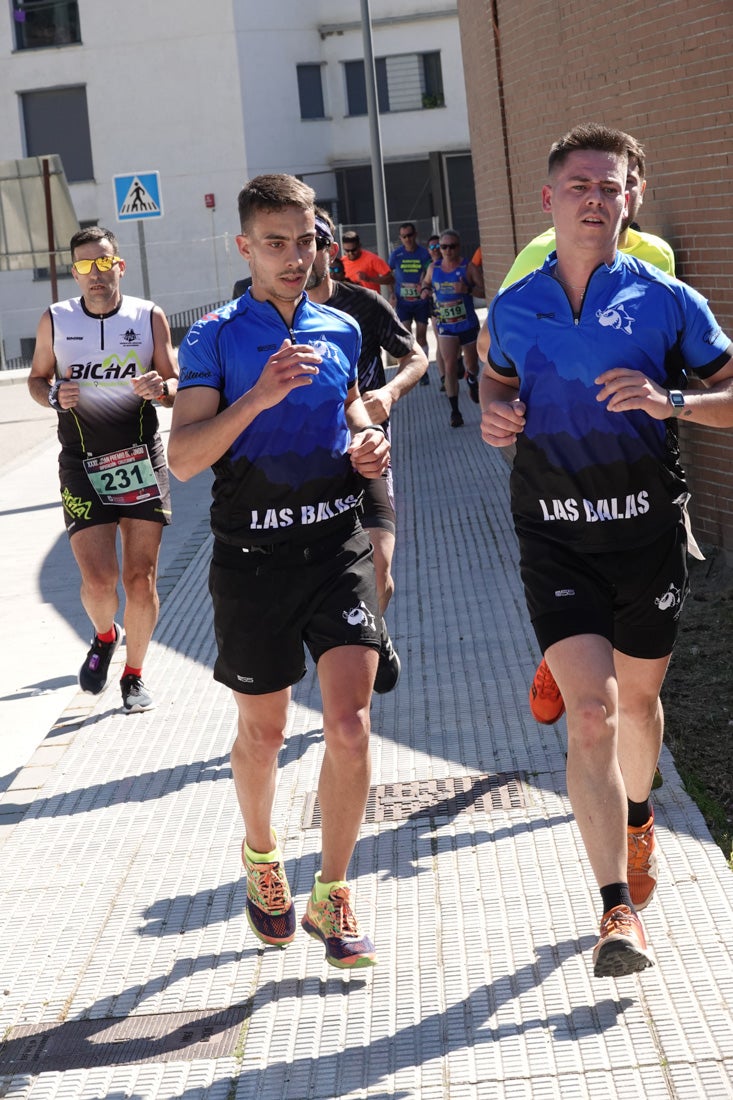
[123, 477]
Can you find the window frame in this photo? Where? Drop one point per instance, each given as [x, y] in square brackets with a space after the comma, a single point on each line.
[76, 156]
[64, 32]
[431, 74]
[308, 68]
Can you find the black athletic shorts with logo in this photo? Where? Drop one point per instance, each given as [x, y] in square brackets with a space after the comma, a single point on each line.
[271, 601]
[633, 598]
[83, 509]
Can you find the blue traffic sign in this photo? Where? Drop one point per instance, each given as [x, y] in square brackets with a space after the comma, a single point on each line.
[137, 196]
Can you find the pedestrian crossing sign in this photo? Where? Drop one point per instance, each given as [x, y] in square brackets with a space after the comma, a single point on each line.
[138, 196]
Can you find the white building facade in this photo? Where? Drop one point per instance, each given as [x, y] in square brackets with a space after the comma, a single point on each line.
[209, 95]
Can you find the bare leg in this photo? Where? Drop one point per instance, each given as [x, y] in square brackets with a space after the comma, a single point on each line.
[438, 353]
[95, 550]
[470, 357]
[346, 676]
[260, 736]
[450, 348]
[421, 336]
[641, 721]
[584, 669]
[383, 543]
[140, 550]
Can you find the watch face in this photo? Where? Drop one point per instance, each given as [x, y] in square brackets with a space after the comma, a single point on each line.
[677, 399]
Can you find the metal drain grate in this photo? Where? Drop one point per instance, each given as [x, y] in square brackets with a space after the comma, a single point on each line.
[82, 1044]
[434, 798]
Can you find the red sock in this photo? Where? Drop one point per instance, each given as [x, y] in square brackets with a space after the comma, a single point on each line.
[129, 671]
[108, 636]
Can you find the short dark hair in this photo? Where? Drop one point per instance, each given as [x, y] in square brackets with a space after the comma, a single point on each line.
[589, 135]
[637, 153]
[352, 236]
[90, 235]
[408, 225]
[270, 192]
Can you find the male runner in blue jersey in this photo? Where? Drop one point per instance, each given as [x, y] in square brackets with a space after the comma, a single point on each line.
[269, 397]
[581, 355]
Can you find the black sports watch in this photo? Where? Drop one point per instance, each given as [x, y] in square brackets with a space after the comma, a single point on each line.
[677, 401]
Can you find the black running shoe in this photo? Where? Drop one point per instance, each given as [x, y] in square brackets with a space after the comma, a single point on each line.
[135, 696]
[472, 380]
[456, 420]
[389, 667]
[93, 673]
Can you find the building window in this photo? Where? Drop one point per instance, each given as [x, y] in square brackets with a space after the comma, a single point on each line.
[310, 91]
[56, 120]
[41, 23]
[405, 82]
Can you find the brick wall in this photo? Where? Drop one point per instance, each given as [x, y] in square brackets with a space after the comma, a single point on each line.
[662, 72]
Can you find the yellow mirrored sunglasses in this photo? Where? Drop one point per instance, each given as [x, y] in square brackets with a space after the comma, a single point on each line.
[104, 263]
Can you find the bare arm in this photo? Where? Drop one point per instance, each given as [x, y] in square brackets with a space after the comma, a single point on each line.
[200, 434]
[165, 361]
[483, 343]
[410, 369]
[426, 283]
[42, 378]
[475, 276]
[370, 447]
[502, 417]
[625, 389]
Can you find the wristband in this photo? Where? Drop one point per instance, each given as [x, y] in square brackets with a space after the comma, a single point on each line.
[377, 427]
[166, 391]
[53, 396]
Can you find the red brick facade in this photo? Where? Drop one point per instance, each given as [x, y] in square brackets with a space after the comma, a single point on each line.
[662, 71]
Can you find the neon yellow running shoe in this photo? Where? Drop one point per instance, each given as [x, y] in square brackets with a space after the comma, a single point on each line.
[334, 923]
[270, 910]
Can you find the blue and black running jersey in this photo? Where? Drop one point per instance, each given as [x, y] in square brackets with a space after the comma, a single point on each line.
[289, 470]
[454, 309]
[603, 480]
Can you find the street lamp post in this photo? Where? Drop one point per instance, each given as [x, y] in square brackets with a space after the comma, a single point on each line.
[375, 141]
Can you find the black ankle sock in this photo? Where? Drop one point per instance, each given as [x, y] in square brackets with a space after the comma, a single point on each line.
[638, 813]
[617, 893]
[454, 403]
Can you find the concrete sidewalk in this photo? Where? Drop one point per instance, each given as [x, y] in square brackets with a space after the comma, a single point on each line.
[128, 970]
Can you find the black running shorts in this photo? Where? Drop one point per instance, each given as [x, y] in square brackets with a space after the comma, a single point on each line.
[84, 507]
[633, 598]
[270, 602]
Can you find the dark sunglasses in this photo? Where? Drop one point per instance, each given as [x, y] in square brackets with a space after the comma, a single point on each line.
[445, 246]
[321, 243]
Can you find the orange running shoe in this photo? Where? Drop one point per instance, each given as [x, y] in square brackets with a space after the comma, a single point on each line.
[545, 700]
[622, 948]
[642, 863]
